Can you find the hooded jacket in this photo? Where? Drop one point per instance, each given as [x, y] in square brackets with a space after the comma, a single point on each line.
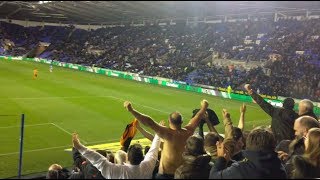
[194, 167]
[256, 165]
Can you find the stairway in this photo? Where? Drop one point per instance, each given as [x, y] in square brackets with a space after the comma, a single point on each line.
[190, 76]
[163, 59]
[37, 50]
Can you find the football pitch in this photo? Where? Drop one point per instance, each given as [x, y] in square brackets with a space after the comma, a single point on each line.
[66, 100]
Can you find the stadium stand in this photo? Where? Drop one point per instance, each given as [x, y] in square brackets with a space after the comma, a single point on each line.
[287, 52]
[177, 52]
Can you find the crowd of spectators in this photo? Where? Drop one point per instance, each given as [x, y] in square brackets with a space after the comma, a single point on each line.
[287, 149]
[177, 51]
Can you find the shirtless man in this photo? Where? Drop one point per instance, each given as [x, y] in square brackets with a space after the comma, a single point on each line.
[174, 137]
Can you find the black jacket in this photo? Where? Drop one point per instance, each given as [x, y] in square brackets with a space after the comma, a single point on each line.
[256, 165]
[238, 157]
[194, 167]
[282, 119]
[310, 114]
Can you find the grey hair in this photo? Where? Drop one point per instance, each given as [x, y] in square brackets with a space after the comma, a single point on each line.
[307, 104]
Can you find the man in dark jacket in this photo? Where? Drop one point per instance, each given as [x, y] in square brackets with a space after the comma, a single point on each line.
[261, 161]
[282, 118]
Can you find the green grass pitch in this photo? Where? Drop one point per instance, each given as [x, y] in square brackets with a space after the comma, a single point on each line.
[66, 100]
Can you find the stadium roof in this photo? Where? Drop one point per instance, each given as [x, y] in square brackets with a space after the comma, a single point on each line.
[106, 12]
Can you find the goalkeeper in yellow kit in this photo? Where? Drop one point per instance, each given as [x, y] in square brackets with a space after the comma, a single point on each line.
[35, 73]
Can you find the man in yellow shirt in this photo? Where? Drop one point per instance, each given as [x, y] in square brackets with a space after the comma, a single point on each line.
[35, 73]
[229, 89]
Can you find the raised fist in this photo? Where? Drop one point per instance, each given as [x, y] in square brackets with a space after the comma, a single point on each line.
[162, 123]
[75, 141]
[243, 108]
[128, 105]
[247, 87]
[225, 114]
[204, 103]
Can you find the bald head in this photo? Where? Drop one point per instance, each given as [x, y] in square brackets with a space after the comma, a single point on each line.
[175, 119]
[305, 106]
[303, 124]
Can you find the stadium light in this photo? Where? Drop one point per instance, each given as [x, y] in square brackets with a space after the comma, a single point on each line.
[43, 2]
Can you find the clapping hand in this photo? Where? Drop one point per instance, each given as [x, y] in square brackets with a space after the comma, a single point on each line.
[222, 152]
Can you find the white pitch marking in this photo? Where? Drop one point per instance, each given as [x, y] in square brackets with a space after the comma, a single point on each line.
[25, 125]
[57, 147]
[59, 127]
[113, 97]
[34, 150]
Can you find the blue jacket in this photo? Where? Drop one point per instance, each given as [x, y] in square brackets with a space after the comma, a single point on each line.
[256, 165]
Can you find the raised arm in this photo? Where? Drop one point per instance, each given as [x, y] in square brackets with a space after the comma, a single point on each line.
[210, 125]
[193, 123]
[228, 128]
[162, 131]
[144, 132]
[151, 157]
[268, 108]
[243, 109]
[100, 162]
